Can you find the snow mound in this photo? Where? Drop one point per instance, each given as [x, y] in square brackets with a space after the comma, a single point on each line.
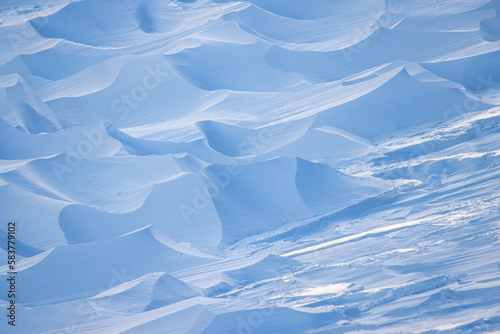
[98, 265]
[169, 207]
[280, 190]
[146, 293]
[401, 102]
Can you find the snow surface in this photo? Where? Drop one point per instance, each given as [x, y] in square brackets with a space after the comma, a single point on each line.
[258, 166]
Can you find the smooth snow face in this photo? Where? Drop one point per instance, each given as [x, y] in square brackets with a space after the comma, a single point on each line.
[259, 166]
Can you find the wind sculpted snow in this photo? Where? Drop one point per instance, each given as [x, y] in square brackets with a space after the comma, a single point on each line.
[259, 166]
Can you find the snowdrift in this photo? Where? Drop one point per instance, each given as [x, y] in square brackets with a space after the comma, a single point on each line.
[98, 264]
[258, 166]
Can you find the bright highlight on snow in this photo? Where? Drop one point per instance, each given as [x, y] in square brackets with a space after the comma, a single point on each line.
[244, 167]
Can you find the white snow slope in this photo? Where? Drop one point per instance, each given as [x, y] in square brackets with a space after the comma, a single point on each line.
[257, 166]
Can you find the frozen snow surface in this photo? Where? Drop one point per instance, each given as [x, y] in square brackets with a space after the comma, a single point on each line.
[259, 166]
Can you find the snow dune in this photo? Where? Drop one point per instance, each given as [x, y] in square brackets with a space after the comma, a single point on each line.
[122, 255]
[258, 166]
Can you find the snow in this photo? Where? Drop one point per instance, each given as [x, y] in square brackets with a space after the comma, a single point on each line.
[257, 166]
[327, 289]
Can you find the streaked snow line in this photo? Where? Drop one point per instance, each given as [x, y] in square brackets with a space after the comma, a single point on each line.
[354, 237]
